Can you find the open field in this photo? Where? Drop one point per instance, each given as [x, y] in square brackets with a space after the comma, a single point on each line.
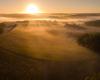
[50, 47]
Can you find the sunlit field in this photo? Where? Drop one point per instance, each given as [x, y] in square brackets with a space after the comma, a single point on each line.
[49, 46]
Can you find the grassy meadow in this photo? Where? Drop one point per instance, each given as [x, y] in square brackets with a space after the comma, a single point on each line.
[50, 47]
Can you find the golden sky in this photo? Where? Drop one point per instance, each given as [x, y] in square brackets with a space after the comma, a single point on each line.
[51, 6]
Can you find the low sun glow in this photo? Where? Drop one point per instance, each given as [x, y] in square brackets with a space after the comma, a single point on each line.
[32, 9]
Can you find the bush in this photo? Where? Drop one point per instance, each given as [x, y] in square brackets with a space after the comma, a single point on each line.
[2, 25]
[74, 26]
[6, 27]
[93, 23]
[90, 41]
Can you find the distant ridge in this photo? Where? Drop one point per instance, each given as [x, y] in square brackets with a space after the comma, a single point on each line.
[50, 15]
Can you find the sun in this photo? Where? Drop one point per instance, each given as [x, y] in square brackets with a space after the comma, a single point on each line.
[32, 9]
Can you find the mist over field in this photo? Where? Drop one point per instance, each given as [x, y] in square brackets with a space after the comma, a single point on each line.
[50, 47]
